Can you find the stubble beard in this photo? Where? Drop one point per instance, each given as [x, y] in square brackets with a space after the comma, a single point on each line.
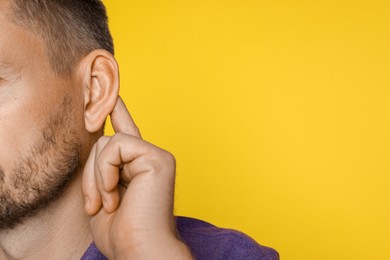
[40, 177]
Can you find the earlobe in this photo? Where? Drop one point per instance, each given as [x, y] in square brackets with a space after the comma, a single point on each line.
[101, 88]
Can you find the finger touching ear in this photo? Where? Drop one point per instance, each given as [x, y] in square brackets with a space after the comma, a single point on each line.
[121, 120]
[101, 87]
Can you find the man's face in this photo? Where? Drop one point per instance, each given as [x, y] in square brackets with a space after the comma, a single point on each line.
[40, 125]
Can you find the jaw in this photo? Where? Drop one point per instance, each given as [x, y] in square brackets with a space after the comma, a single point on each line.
[60, 231]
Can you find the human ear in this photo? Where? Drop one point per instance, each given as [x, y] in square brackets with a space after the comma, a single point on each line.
[100, 77]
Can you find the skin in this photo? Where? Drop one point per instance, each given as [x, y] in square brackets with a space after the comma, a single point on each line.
[94, 205]
[144, 218]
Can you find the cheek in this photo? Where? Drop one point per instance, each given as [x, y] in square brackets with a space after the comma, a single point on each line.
[23, 115]
[18, 130]
[25, 110]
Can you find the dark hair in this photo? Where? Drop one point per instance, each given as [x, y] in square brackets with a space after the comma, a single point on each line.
[70, 28]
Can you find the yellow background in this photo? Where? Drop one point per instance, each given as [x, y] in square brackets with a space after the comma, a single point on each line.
[277, 111]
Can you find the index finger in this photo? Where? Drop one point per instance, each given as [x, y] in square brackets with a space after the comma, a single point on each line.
[121, 120]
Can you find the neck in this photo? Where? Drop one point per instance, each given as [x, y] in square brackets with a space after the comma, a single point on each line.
[61, 231]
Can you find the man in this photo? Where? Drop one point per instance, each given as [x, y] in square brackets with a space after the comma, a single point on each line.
[58, 83]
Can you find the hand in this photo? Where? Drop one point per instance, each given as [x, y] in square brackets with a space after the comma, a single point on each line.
[128, 186]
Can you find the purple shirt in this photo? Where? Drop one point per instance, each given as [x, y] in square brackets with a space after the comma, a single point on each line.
[209, 242]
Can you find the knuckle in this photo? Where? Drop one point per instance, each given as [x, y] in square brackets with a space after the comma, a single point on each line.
[159, 161]
[170, 158]
[118, 136]
[117, 139]
[166, 160]
[101, 142]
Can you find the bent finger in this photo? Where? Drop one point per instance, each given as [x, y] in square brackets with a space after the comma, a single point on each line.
[92, 198]
[106, 179]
